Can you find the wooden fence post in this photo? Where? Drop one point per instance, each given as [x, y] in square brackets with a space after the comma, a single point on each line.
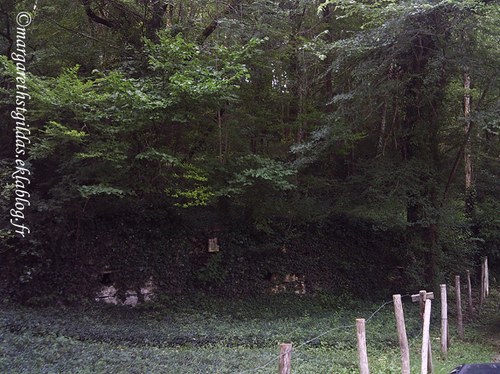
[362, 353]
[403, 340]
[422, 297]
[459, 308]
[469, 290]
[444, 321]
[285, 358]
[482, 295]
[426, 347]
[486, 277]
[484, 280]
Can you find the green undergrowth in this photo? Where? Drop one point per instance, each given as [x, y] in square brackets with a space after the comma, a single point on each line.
[201, 334]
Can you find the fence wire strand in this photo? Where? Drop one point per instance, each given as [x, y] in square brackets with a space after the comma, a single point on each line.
[319, 336]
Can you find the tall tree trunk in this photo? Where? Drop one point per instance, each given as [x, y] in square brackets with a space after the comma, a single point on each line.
[420, 145]
[302, 91]
[469, 189]
[328, 62]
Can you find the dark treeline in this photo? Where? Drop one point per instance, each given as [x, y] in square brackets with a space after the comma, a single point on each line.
[353, 145]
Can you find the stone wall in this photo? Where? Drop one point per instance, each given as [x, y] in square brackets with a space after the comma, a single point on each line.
[109, 294]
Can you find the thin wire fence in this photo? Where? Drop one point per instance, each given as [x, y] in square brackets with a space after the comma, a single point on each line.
[295, 349]
[325, 333]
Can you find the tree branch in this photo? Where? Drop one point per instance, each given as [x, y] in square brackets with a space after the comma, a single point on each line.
[213, 25]
[82, 34]
[94, 17]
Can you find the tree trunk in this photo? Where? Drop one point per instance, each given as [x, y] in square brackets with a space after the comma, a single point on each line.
[469, 190]
[328, 61]
[420, 146]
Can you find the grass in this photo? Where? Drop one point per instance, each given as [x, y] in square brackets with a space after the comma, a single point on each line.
[206, 335]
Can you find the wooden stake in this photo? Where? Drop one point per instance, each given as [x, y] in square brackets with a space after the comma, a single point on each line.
[362, 352]
[421, 297]
[403, 340]
[459, 308]
[485, 287]
[285, 358]
[487, 277]
[482, 295]
[444, 322]
[469, 290]
[426, 337]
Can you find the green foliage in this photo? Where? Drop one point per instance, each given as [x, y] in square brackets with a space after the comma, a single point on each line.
[206, 334]
[56, 135]
[308, 135]
[6, 193]
[489, 225]
[258, 170]
[152, 154]
[197, 194]
[192, 73]
[213, 272]
[87, 191]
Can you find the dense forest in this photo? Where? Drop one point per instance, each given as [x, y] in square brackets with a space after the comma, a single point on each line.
[350, 145]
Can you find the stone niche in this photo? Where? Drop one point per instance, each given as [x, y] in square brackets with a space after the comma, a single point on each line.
[288, 283]
[109, 294]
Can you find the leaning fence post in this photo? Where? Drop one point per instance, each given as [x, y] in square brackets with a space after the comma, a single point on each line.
[459, 308]
[362, 353]
[486, 277]
[403, 340]
[422, 297]
[444, 321]
[426, 337]
[285, 358]
[484, 280]
[469, 290]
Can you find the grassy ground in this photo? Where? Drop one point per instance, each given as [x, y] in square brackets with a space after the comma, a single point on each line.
[205, 335]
